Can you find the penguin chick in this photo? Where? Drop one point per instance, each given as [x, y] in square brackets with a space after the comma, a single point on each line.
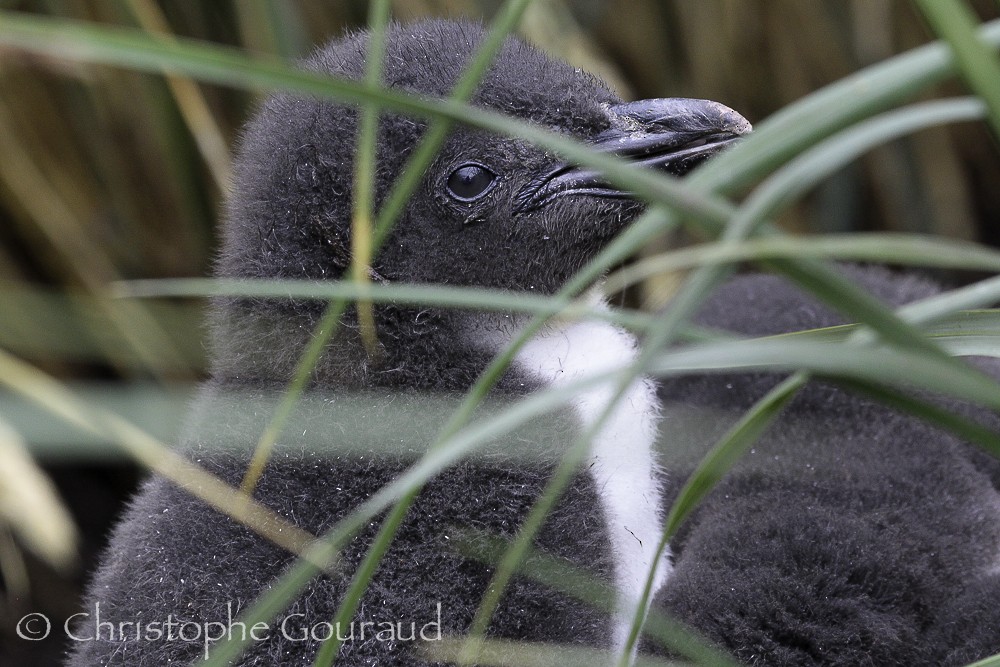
[850, 534]
[490, 211]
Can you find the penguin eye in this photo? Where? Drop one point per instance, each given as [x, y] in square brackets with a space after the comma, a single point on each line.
[470, 182]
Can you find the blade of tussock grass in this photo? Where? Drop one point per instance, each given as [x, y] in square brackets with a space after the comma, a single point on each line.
[83, 261]
[363, 188]
[974, 332]
[402, 189]
[877, 247]
[300, 377]
[562, 576]
[836, 106]
[787, 132]
[194, 109]
[801, 173]
[442, 296]
[230, 67]
[984, 293]
[977, 295]
[959, 333]
[788, 183]
[361, 256]
[728, 451]
[506, 653]
[158, 457]
[889, 248]
[31, 506]
[439, 457]
[954, 21]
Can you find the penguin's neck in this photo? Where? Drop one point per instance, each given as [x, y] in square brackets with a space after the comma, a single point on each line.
[622, 460]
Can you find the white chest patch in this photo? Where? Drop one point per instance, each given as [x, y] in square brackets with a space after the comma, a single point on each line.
[622, 460]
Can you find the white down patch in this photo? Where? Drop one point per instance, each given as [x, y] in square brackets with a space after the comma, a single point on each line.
[622, 458]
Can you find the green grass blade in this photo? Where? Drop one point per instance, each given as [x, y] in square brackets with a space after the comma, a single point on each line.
[977, 295]
[504, 23]
[728, 451]
[506, 653]
[326, 327]
[560, 575]
[56, 399]
[904, 366]
[363, 246]
[722, 457]
[843, 295]
[950, 330]
[439, 457]
[962, 427]
[442, 296]
[820, 114]
[787, 184]
[884, 248]
[230, 67]
[954, 21]
[363, 191]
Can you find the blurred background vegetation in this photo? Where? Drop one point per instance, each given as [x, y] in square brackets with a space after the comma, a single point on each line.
[107, 174]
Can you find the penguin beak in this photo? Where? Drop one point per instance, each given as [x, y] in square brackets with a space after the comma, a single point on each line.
[672, 134]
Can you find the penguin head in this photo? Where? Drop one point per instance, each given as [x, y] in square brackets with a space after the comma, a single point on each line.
[490, 211]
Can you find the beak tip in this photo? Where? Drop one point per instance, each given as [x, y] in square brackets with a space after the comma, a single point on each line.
[731, 121]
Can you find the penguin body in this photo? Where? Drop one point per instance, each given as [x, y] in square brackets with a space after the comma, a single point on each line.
[850, 534]
[491, 212]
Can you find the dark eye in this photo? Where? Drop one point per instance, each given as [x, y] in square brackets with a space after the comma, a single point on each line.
[470, 182]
